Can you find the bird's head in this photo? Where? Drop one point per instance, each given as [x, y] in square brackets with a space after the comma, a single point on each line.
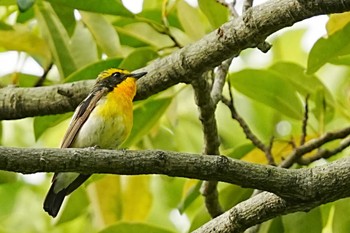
[113, 77]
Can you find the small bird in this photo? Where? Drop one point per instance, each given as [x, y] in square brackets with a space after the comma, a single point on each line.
[103, 119]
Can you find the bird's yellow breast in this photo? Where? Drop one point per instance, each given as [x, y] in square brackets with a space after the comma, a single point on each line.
[110, 123]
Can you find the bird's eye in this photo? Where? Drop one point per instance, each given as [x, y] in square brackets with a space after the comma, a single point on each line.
[116, 75]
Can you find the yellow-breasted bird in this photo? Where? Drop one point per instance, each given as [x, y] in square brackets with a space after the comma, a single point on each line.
[103, 119]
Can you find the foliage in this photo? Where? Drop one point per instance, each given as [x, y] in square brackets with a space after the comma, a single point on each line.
[81, 38]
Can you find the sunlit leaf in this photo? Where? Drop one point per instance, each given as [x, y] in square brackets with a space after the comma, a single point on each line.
[146, 115]
[91, 71]
[42, 123]
[57, 37]
[310, 222]
[112, 7]
[270, 89]
[136, 207]
[138, 58]
[134, 228]
[341, 222]
[334, 49]
[337, 22]
[191, 20]
[104, 33]
[143, 34]
[20, 38]
[9, 193]
[7, 177]
[231, 195]
[83, 47]
[107, 199]
[216, 13]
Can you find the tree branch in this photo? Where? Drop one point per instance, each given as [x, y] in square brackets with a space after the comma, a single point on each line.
[294, 189]
[181, 66]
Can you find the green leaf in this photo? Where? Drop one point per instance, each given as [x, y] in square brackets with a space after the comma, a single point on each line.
[57, 38]
[42, 123]
[83, 46]
[138, 58]
[103, 32]
[112, 7]
[19, 38]
[24, 5]
[329, 50]
[308, 85]
[134, 228]
[146, 115]
[9, 194]
[310, 222]
[269, 88]
[272, 226]
[190, 197]
[7, 177]
[142, 34]
[92, 71]
[341, 221]
[66, 16]
[76, 205]
[191, 20]
[216, 13]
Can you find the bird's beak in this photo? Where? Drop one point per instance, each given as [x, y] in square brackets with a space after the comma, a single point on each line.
[137, 75]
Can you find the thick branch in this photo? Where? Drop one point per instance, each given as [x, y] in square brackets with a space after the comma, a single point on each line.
[186, 63]
[296, 184]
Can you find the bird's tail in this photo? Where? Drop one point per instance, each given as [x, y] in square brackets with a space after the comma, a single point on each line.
[53, 201]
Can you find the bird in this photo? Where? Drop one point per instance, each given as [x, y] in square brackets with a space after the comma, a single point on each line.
[102, 120]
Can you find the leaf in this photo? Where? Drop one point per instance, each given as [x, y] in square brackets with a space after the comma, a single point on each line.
[76, 205]
[330, 50]
[146, 115]
[308, 85]
[20, 39]
[136, 207]
[107, 199]
[83, 46]
[103, 32]
[66, 16]
[341, 221]
[216, 13]
[57, 37]
[138, 58]
[8, 177]
[192, 194]
[191, 20]
[310, 222]
[134, 228]
[142, 34]
[112, 7]
[337, 22]
[24, 5]
[42, 123]
[92, 71]
[270, 89]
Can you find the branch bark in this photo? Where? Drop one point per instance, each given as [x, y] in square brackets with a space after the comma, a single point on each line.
[294, 189]
[247, 31]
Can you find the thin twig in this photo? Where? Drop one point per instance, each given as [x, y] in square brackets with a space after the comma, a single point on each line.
[312, 145]
[305, 120]
[42, 79]
[219, 81]
[325, 153]
[247, 131]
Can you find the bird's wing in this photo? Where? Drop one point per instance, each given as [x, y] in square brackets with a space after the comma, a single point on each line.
[80, 116]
